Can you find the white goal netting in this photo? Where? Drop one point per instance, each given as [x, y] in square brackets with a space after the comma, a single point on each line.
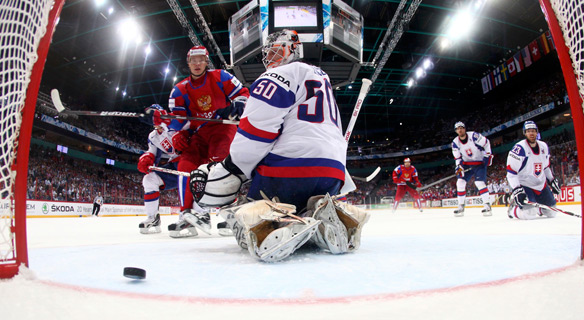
[22, 26]
[570, 15]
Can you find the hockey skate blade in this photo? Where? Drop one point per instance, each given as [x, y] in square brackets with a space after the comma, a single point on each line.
[134, 273]
[195, 222]
[150, 230]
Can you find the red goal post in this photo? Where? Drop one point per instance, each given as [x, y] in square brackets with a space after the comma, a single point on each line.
[566, 21]
[26, 29]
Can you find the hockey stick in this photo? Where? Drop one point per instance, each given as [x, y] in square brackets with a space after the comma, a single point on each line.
[369, 177]
[170, 171]
[349, 185]
[543, 206]
[61, 109]
[440, 181]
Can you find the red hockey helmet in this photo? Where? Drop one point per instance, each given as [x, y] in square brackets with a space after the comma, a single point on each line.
[407, 160]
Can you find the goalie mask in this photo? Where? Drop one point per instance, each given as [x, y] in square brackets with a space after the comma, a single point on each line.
[281, 48]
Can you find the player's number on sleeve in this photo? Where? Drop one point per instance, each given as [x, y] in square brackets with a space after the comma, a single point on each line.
[266, 89]
[314, 110]
[516, 150]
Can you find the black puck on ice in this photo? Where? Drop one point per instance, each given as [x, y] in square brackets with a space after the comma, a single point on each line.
[134, 273]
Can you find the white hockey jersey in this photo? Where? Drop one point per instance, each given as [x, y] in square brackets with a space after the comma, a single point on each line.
[291, 126]
[528, 167]
[473, 151]
[161, 143]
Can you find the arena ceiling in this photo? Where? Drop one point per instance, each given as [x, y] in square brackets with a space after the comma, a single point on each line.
[87, 60]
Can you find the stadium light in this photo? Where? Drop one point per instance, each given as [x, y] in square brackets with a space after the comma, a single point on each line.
[129, 30]
[461, 25]
[166, 71]
[147, 50]
[110, 10]
[420, 73]
[99, 3]
[427, 64]
[410, 83]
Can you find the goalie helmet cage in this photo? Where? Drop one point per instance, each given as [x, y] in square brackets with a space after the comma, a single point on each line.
[26, 29]
[565, 19]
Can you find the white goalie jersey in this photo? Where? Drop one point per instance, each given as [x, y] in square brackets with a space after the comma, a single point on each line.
[473, 151]
[290, 106]
[161, 143]
[529, 167]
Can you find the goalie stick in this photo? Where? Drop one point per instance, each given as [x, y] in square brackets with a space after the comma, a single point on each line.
[369, 177]
[543, 206]
[349, 185]
[440, 181]
[55, 97]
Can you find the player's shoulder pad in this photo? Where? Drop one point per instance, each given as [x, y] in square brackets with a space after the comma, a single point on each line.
[475, 135]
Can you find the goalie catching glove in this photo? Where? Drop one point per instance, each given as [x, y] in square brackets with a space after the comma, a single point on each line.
[216, 184]
[146, 160]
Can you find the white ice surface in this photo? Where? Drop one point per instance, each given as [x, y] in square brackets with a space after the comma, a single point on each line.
[411, 265]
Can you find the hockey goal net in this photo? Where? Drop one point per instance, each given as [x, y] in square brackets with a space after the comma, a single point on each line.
[566, 21]
[26, 28]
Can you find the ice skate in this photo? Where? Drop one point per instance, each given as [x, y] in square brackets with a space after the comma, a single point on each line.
[460, 211]
[182, 229]
[199, 219]
[487, 212]
[223, 229]
[150, 225]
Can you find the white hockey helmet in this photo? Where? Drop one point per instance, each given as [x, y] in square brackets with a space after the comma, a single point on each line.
[529, 125]
[459, 124]
[281, 47]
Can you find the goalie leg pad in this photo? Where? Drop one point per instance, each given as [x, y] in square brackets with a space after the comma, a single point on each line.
[341, 227]
[265, 237]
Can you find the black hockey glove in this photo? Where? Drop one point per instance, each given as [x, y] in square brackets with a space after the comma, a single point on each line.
[233, 111]
[411, 185]
[519, 197]
[555, 186]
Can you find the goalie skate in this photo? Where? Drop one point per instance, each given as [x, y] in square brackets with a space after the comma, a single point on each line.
[182, 229]
[150, 225]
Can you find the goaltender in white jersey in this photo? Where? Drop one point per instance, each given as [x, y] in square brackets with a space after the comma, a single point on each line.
[529, 174]
[472, 156]
[290, 144]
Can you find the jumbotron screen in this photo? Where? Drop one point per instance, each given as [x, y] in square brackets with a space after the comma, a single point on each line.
[286, 15]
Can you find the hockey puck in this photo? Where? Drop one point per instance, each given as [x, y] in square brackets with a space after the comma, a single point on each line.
[134, 273]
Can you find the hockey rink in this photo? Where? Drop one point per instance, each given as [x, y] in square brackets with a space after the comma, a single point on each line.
[411, 265]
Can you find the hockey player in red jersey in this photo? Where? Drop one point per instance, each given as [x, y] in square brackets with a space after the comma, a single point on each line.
[205, 94]
[406, 178]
